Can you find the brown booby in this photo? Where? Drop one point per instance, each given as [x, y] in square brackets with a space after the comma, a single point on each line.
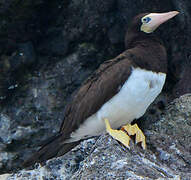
[117, 93]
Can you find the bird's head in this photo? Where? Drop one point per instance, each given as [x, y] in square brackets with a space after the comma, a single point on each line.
[150, 22]
[146, 23]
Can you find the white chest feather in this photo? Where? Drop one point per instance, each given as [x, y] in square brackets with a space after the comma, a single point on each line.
[130, 103]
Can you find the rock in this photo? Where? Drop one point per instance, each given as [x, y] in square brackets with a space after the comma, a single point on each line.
[180, 64]
[25, 56]
[183, 86]
[167, 155]
[37, 107]
[55, 43]
[13, 65]
[4, 176]
[58, 168]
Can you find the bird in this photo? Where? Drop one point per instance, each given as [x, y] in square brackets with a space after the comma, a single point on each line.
[117, 93]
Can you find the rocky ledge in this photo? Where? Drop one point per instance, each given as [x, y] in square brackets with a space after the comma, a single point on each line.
[168, 153]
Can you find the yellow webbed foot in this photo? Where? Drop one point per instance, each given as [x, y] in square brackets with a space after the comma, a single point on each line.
[122, 135]
[119, 135]
[134, 130]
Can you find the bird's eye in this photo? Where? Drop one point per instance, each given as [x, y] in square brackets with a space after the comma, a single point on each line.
[146, 19]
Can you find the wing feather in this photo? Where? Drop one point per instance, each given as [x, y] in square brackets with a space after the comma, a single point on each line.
[97, 90]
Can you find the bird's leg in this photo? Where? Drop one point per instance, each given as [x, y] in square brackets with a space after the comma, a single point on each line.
[119, 135]
[134, 130]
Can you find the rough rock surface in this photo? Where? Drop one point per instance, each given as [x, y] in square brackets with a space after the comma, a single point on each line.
[36, 109]
[168, 153]
[47, 48]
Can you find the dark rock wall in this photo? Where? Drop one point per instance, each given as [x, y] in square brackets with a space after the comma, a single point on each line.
[47, 48]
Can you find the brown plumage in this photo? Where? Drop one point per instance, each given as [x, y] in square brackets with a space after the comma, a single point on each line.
[144, 50]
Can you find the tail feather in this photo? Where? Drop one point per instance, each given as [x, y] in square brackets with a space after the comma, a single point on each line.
[53, 148]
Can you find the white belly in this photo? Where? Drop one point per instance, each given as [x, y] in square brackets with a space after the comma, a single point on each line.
[130, 103]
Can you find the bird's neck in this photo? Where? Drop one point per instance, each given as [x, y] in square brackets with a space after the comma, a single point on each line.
[132, 39]
[145, 48]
